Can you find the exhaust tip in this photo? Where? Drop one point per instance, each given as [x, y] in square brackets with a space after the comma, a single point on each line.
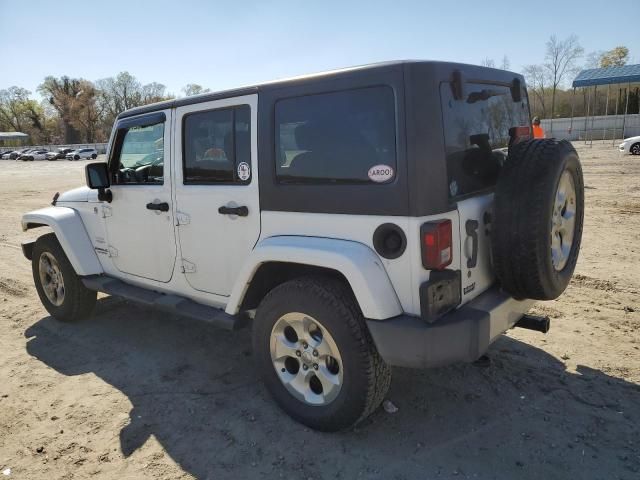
[534, 322]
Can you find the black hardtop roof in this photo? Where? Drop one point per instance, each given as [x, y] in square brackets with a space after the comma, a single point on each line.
[440, 69]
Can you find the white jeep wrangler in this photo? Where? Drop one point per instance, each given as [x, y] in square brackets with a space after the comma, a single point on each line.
[390, 215]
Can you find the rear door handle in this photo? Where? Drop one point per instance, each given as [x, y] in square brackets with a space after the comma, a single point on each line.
[240, 211]
[159, 207]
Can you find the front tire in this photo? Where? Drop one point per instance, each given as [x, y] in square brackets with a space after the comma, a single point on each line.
[60, 289]
[635, 149]
[316, 356]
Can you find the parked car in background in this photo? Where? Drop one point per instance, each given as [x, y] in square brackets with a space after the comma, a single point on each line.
[15, 154]
[630, 145]
[6, 154]
[58, 153]
[82, 153]
[35, 154]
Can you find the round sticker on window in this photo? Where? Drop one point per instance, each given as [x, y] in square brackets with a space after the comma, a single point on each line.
[244, 171]
[380, 173]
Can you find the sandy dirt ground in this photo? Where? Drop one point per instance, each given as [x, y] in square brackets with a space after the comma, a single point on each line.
[132, 393]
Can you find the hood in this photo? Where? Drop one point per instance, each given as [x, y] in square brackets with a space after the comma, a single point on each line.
[631, 139]
[80, 194]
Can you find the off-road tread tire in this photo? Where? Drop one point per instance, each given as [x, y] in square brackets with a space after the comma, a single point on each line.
[335, 296]
[79, 301]
[521, 229]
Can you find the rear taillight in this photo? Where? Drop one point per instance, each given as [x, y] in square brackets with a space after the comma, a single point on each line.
[437, 251]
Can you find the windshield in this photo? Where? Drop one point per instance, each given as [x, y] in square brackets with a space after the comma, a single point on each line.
[477, 134]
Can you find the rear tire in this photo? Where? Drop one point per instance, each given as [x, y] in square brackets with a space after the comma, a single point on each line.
[94, 156]
[538, 209]
[327, 306]
[60, 289]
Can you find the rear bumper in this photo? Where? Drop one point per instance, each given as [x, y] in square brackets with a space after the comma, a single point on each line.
[460, 336]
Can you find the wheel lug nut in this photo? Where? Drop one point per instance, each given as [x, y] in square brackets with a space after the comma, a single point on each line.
[305, 345]
[315, 366]
[315, 353]
[298, 353]
[304, 367]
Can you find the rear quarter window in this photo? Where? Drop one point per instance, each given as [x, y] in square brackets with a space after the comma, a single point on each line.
[476, 133]
[337, 137]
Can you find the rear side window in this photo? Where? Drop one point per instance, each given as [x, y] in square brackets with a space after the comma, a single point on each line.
[336, 138]
[476, 133]
[217, 146]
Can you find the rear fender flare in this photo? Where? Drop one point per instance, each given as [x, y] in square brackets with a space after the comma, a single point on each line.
[362, 268]
[72, 235]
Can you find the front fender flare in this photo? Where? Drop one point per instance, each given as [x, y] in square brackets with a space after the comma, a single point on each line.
[361, 267]
[70, 232]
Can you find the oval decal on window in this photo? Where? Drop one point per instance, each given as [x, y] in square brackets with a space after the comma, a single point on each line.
[380, 173]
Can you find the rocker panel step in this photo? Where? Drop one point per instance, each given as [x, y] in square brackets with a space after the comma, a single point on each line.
[167, 302]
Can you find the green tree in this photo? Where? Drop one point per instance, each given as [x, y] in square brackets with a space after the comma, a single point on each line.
[20, 113]
[561, 58]
[62, 94]
[86, 113]
[616, 57]
[538, 88]
[193, 89]
[124, 91]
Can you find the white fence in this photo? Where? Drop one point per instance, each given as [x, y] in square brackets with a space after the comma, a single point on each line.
[602, 127]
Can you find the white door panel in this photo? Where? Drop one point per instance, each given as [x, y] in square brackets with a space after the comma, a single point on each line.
[214, 245]
[142, 241]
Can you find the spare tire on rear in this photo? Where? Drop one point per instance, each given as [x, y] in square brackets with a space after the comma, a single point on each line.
[538, 215]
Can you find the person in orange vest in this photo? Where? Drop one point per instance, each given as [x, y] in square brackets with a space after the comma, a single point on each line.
[538, 132]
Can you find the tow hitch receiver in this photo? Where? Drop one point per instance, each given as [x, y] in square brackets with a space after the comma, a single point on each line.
[534, 322]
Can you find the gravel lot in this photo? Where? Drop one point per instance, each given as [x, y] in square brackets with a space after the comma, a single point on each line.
[132, 393]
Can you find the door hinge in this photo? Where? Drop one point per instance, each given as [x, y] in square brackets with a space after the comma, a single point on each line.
[106, 211]
[113, 252]
[182, 219]
[187, 266]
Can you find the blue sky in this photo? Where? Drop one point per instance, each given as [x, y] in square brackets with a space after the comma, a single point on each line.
[221, 44]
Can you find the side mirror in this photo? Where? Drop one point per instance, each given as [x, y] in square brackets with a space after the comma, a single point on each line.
[97, 175]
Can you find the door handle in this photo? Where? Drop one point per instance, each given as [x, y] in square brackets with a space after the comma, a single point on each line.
[159, 207]
[239, 211]
[472, 230]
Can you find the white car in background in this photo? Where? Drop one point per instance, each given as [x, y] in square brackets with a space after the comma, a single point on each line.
[82, 153]
[35, 154]
[630, 145]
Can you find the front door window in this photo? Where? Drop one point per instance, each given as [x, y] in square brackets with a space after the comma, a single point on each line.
[141, 159]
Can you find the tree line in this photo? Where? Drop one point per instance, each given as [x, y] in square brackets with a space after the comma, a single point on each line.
[548, 82]
[75, 110]
[564, 58]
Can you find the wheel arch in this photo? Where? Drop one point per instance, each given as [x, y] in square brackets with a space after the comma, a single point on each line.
[71, 233]
[278, 259]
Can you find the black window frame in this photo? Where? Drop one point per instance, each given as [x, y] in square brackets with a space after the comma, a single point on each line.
[326, 182]
[390, 198]
[122, 127]
[236, 180]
